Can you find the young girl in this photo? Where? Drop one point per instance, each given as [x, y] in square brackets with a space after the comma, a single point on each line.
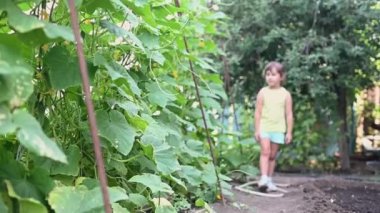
[273, 122]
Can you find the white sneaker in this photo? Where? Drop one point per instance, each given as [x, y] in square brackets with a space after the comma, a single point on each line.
[263, 184]
[271, 185]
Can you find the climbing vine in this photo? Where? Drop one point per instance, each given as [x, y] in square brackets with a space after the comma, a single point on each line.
[151, 129]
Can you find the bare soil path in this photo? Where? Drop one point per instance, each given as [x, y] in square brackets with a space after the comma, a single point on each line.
[310, 194]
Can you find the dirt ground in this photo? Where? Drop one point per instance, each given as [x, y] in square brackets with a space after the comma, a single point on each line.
[308, 194]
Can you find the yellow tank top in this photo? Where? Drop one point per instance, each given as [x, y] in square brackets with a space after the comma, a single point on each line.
[273, 111]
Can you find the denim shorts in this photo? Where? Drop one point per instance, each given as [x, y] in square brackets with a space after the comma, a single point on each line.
[275, 137]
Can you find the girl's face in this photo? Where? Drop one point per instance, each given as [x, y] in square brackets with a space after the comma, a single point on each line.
[273, 78]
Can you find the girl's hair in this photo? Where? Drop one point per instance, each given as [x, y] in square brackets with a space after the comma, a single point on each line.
[274, 65]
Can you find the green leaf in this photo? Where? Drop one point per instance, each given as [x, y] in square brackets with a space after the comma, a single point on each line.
[131, 17]
[193, 148]
[146, 164]
[178, 181]
[20, 21]
[64, 75]
[163, 205]
[191, 174]
[117, 209]
[211, 103]
[206, 92]
[9, 168]
[89, 183]
[117, 165]
[34, 139]
[99, 59]
[72, 167]
[91, 5]
[148, 151]
[156, 56]
[6, 124]
[138, 200]
[13, 42]
[226, 188]
[204, 64]
[149, 40]
[235, 157]
[248, 141]
[116, 71]
[224, 177]
[131, 107]
[200, 202]
[54, 31]
[27, 205]
[153, 182]
[3, 207]
[23, 23]
[115, 129]
[41, 180]
[141, 3]
[171, 122]
[81, 200]
[121, 32]
[208, 175]
[154, 135]
[146, 14]
[15, 77]
[249, 170]
[165, 209]
[34, 186]
[152, 44]
[217, 88]
[157, 95]
[138, 122]
[27, 188]
[165, 159]
[217, 15]
[174, 141]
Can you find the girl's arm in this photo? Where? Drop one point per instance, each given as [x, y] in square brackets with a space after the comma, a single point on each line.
[289, 118]
[259, 107]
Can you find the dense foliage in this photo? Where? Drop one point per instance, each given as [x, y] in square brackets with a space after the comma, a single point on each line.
[152, 133]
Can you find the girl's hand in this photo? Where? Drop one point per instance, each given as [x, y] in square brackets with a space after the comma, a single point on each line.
[288, 138]
[257, 137]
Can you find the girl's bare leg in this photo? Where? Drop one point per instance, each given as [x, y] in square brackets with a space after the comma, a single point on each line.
[272, 158]
[264, 156]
